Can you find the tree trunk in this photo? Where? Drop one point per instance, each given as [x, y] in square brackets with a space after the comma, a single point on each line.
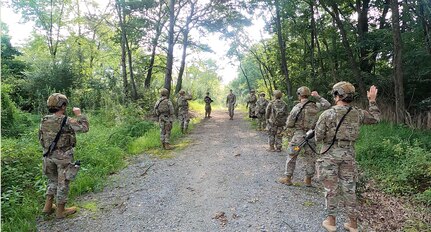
[123, 51]
[282, 45]
[245, 75]
[132, 76]
[312, 42]
[397, 61]
[362, 7]
[170, 54]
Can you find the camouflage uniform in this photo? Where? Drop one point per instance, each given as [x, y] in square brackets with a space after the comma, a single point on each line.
[260, 111]
[207, 101]
[56, 163]
[251, 103]
[275, 130]
[183, 111]
[165, 112]
[337, 167]
[231, 101]
[303, 122]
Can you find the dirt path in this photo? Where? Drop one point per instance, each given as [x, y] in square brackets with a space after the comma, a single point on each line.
[225, 169]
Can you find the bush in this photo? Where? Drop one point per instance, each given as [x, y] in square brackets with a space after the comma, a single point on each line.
[398, 157]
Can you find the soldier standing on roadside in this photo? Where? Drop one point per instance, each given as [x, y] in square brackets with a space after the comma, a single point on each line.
[58, 139]
[183, 110]
[230, 103]
[276, 114]
[251, 104]
[165, 112]
[260, 111]
[208, 102]
[302, 118]
[338, 129]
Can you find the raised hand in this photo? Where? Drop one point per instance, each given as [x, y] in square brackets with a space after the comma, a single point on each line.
[76, 111]
[315, 94]
[372, 93]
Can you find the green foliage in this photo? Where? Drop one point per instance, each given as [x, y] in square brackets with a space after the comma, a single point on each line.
[399, 159]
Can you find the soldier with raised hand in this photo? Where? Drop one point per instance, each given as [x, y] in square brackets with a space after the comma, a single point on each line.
[58, 139]
[338, 130]
[251, 104]
[276, 115]
[302, 118]
[260, 111]
[208, 102]
[183, 110]
[230, 103]
[165, 113]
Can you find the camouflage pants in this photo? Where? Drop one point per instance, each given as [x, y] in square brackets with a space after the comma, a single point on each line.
[165, 130]
[309, 156]
[251, 112]
[261, 121]
[337, 171]
[231, 108]
[54, 167]
[207, 110]
[184, 119]
[275, 136]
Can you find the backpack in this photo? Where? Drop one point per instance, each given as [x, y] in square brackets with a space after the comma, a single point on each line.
[279, 113]
[163, 107]
[261, 106]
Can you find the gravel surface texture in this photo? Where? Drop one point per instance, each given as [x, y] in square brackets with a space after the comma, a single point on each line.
[225, 180]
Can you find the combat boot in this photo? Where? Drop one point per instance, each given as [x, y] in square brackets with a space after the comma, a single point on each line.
[62, 212]
[49, 207]
[352, 226]
[168, 146]
[271, 148]
[307, 181]
[287, 180]
[329, 224]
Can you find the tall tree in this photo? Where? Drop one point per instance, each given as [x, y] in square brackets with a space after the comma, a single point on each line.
[170, 51]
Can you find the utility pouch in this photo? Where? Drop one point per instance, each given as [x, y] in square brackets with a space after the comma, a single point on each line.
[72, 170]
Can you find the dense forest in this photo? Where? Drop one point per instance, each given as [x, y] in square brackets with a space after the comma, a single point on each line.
[111, 59]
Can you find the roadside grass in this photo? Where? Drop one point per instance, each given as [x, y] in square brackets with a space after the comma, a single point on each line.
[102, 151]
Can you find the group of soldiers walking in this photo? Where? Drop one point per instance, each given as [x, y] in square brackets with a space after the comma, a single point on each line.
[337, 129]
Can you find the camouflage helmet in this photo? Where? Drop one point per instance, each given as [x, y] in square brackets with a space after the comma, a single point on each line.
[182, 92]
[164, 92]
[262, 94]
[278, 94]
[303, 91]
[343, 89]
[252, 91]
[56, 100]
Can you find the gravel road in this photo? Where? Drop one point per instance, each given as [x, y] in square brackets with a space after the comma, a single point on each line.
[224, 180]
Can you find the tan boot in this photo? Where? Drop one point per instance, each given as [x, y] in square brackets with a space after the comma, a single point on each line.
[307, 181]
[49, 207]
[329, 224]
[287, 180]
[62, 212]
[352, 226]
[271, 148]
[168, 146]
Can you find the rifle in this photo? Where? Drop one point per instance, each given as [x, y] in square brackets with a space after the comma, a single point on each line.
[309, 135]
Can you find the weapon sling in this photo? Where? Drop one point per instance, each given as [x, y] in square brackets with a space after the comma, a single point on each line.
[57, 137]
[300, 110]
[336, 130]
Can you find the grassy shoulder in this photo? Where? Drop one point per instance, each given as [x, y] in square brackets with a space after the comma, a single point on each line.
[102, 151]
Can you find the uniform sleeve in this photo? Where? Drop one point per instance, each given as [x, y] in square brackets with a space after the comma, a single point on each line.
[234, 99]
[323, 104]
[372, 116]
[79, 124]
[268, 111]
[40, 134]
[171, 108]
[321, 127]
[155, 107]
[290, 122]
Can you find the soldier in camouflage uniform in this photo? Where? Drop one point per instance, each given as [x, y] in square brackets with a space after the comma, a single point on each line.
[208, 102]
[183, 110]
[230, 103]
[58, 160]
[165, 112]
[260, 111]
[302, 118]
[276, 115]
[251, 104]
[337, 165]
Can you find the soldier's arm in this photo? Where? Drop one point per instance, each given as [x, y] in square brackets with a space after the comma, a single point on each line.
[268, 111]
[290, 122]
[40, 134]
[79, 124]
[372, 116]
[321, 127]
[323, 104]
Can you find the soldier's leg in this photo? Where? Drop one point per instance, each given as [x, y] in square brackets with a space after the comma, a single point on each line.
[348, 177]
[162, 132]
[271, 137]
[168, 128]
[292, 155]
[186, 121]
[310, 161]
[63, 184]
[50, 170]
[329, 177]
[209, 112]
[279, 138]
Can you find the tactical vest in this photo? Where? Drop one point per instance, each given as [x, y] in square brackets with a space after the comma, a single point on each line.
[349, 128]
[261, 105]
[183, 104]
[252, 98]
[50, 126]
[308, 117]
[163, 107]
